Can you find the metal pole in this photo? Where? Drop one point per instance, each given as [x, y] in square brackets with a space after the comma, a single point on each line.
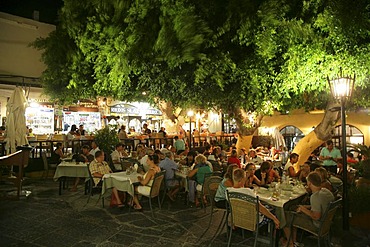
[190, 133]
[344, 161]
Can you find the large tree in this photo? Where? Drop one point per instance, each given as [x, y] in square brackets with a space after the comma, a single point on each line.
[243, 58]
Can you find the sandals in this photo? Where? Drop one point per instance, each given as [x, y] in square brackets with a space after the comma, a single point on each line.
[137, 209]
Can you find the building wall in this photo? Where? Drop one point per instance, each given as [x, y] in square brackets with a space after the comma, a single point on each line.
[17, 58]
[306, 121]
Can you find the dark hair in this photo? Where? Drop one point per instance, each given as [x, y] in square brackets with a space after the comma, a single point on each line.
[154, 158]
[293, 155]
[73, 127]
[119, 145]
[59, 144]
[176, 137]
[330, 142]
[192, 153]
[265, 166]
[249, 165]
[85, 147]
[98, 153]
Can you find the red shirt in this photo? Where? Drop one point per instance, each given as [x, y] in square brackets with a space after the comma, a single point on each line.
[234, 160]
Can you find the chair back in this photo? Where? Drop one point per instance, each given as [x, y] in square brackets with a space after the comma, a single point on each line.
[327, 218]
[212, 184]
[157, 184]
[244, 210]
[207, 177]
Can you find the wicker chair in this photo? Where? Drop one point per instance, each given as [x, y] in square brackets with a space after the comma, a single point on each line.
[204, 190]
[156, 189]
[244, 210]
[323, 231]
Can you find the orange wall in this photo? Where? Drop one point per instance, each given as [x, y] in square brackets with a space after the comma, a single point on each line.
[305, 122]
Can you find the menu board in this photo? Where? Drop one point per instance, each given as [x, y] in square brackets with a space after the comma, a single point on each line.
[90, 120]
[40, 119]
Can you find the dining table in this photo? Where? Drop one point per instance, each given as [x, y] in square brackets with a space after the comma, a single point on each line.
[70, 169]
[281, 198]
[122, 181]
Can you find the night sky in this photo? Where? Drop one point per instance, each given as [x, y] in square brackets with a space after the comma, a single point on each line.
[48, 9]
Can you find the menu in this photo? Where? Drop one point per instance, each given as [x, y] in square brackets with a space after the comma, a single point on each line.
[40, 119]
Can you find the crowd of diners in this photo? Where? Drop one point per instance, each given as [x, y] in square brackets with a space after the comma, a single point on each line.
[239, 173]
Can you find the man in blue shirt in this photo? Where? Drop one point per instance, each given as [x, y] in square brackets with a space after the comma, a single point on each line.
[330, 157]
[170, 166]
[179, 145]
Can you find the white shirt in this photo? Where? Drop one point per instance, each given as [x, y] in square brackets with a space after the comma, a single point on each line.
[93, 151]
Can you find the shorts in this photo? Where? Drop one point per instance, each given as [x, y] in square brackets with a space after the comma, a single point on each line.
[301, 221]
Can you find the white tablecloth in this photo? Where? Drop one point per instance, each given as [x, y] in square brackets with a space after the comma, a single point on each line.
[71, 169]
[121, 181]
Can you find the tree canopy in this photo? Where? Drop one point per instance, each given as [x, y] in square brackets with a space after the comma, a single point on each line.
[253, 55]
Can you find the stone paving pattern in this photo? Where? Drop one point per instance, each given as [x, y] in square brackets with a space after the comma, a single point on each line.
[46, 219]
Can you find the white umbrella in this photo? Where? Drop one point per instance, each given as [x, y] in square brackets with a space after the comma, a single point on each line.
[278, 139]
[15, 133]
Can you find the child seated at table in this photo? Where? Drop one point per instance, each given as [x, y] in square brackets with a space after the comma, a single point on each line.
[239, 177]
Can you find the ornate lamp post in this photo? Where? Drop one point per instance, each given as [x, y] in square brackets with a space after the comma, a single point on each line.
[190, 114]
[341, 88]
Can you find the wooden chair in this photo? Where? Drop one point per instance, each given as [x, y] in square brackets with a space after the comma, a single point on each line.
[244, 211]
[155, 190]
[323, 231]
[47, 166]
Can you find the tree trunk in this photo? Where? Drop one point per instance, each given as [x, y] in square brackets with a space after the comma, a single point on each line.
[244, 141]
[170, 120]
[318, 136]
[247, 124]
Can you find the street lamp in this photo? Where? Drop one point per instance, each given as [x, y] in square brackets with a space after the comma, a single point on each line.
[341, 88]
[190, 114]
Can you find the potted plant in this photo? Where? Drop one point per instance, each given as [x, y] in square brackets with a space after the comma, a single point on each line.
[106, 138]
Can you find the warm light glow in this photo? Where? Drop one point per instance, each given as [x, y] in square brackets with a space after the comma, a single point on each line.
[341, 87]
[190, 113]
[34, 104]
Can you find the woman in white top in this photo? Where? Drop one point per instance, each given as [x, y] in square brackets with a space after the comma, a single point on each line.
[146, 181]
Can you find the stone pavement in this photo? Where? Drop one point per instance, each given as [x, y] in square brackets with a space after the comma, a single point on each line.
[46, 219]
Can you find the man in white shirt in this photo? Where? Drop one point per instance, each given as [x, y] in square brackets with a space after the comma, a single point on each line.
[94, 148]
[117, 155]
[289, 166]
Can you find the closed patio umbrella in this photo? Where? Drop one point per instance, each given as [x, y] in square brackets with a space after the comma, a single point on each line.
[278, 139]
[15, 133]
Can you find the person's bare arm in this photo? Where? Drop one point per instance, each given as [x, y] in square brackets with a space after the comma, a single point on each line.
[192, 172]
[314, 215]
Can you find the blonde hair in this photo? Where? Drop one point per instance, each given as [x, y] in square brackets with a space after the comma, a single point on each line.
[200, 159]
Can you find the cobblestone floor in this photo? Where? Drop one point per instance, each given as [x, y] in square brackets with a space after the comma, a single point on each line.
[46, 219]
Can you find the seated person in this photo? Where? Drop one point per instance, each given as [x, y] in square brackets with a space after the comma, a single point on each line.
[251, 179]
[263, 174]
[189, 160]
[289, 166]
[143, 160]
[57, 155]
[198, 172]
[309, 214]
[233, 159]
[85, 156]
[239, 177]
[146, 181]
[305, 170]
[170, 166]
[98, 167]
[117, 154]
[253, 158]
[220, 197]
[325, 182]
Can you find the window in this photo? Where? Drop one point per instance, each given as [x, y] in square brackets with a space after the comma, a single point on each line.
[353, 135]
[292, 135]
